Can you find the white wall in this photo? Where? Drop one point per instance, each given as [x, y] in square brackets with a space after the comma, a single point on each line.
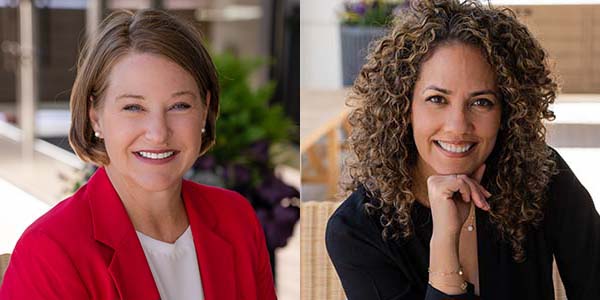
[320, 56]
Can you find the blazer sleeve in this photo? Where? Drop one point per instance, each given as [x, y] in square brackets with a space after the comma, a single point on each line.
[264, 274]
[364, 267]
[40, 269]
[575, 234]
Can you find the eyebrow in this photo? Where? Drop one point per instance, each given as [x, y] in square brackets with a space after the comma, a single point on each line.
[448, 92]
[140, 97]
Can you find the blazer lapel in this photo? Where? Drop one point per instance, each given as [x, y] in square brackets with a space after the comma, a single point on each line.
[214, 254]
[112, 227]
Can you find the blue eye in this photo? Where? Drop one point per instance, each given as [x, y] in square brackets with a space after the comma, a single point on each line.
[132, 107]
[436, 99]
[181, 106]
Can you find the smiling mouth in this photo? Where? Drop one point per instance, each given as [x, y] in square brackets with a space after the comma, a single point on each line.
[155, 155]
[454, 148]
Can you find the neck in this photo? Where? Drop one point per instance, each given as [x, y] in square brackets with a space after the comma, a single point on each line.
[158, 214]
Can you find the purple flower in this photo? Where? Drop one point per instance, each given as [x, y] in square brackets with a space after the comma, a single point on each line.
[206, 162]
[360, 8]
[237, 174]
[278, 224]
[272, 190]
[259, 152]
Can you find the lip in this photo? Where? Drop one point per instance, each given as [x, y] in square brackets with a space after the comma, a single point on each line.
[454, 154]
[156, 161]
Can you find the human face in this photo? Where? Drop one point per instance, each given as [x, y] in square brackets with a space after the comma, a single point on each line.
[150, 119]
[455, 111]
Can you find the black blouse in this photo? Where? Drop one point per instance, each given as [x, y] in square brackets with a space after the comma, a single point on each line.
[371, 268]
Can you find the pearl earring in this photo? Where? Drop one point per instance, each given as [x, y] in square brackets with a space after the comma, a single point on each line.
[97, 134]
[203, 130]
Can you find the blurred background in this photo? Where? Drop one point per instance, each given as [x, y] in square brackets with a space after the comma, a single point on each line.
[255, 45]
[334, 38]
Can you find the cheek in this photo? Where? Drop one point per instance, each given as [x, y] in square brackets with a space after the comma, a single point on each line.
[116, 138]
[489, 127]
[423, 126]
[188, 128]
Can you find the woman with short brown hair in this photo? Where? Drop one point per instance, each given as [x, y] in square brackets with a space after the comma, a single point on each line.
[144, 106]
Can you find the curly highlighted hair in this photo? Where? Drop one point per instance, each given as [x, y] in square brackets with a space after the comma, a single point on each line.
[384, 154]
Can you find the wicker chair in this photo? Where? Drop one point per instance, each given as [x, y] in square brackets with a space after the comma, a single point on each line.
[4, 258]
[318, 279]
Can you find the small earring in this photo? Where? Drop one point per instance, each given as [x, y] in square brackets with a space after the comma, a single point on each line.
[97, 134]
[203, 130]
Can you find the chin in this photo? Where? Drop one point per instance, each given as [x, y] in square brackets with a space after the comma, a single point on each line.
[451, 169]
[157, 182]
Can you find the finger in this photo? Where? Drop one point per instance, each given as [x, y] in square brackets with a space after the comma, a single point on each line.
[476, 194]
[463, 188]
[485, 192]
[479, 173]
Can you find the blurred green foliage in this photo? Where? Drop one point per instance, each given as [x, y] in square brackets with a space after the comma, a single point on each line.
[246, 116]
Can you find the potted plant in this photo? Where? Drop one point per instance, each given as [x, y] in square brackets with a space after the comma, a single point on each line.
[251, 135]
[363, 21]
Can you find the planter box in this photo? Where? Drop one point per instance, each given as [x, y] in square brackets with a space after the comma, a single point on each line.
[355, 47]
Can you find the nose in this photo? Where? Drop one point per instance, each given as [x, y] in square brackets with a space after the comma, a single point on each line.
[157, 129]
[458, 120]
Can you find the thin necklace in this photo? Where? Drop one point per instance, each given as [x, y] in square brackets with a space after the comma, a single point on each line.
[470, 222]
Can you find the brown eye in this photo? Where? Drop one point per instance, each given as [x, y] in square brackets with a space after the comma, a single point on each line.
[436, 99]
[483, 102]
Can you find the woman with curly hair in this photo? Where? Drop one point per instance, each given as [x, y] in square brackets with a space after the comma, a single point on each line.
[454, 190]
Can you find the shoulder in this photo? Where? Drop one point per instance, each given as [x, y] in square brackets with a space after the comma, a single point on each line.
[225, 203]
[54, 242]
[67, 222]
[564, 183]
[226, 211]
[351, 226]
[565, 192]
[351, 213]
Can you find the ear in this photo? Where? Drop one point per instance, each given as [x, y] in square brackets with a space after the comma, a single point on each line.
[207, 107]
[207, 100]
[93, 114]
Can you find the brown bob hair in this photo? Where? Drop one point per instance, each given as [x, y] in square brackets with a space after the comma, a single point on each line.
[145, 31]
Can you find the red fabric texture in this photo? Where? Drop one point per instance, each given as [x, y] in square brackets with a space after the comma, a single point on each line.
[86, 248]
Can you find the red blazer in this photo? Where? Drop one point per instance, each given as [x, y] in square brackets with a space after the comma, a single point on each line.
[86, 248]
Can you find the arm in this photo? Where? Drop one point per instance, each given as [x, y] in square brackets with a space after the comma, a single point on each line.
[575, 233]
[40, 269]
[264, 277]
[449, 197]
[365, 269]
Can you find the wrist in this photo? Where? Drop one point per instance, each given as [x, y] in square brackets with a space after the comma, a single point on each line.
[444, 240]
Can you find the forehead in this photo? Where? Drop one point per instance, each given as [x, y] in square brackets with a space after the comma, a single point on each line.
[457, 66]
[145, 73]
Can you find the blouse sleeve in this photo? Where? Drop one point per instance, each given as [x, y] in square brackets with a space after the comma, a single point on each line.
[575, 234]
[365, 270]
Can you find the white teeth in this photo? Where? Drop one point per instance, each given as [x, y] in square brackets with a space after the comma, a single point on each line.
[156, 155]
[455, 148]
